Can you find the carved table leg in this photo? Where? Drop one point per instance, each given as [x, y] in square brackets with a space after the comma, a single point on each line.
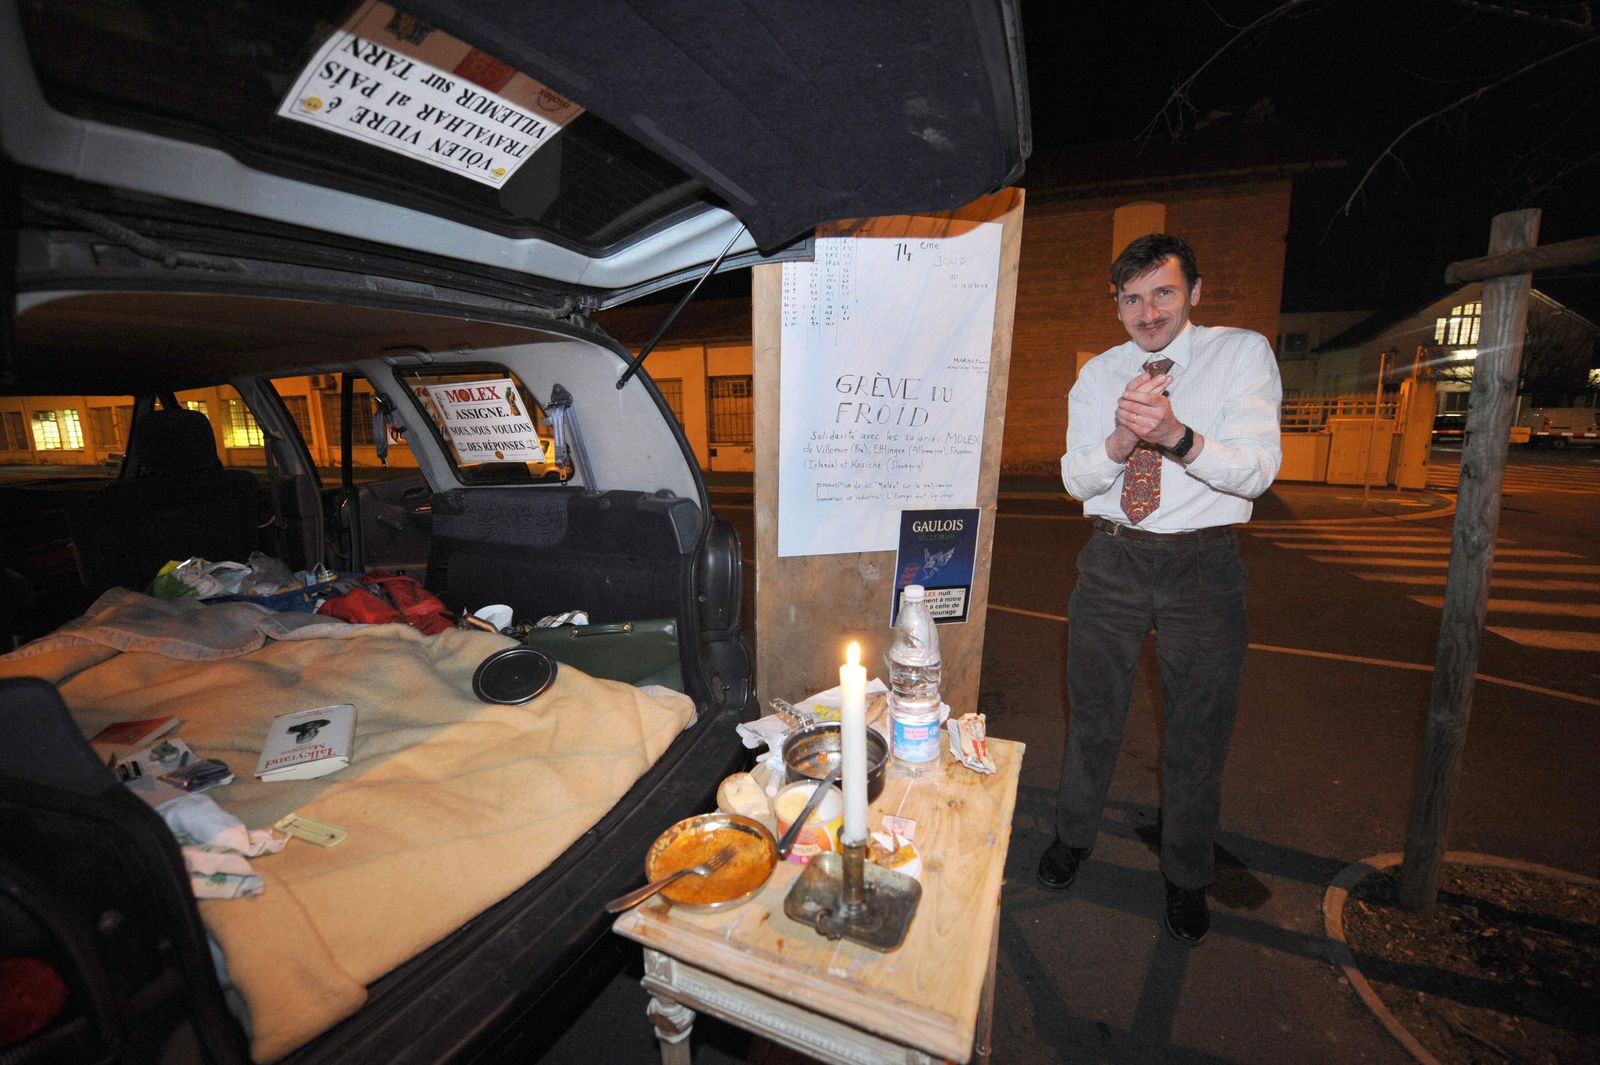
[674, 1021]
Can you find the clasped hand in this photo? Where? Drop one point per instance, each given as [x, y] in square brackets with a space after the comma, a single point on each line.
[1145, 413]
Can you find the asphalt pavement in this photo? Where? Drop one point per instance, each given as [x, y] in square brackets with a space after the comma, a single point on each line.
[1320, 776]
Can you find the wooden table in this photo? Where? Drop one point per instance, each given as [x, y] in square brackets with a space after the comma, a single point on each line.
[838, 1001]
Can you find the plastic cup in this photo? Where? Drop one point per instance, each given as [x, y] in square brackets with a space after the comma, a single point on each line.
[498, 615]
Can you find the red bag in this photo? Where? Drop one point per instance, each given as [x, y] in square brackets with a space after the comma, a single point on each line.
[391, 597]
[361, 607]
[418, 607]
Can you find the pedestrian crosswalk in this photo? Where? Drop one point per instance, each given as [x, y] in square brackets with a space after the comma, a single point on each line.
[1537, 597]
[1570, 479]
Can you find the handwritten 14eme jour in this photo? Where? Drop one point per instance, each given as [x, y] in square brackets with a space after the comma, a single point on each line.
[885, 380]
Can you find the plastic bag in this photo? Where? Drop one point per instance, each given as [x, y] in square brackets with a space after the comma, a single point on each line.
[199, 579]
[268, 576]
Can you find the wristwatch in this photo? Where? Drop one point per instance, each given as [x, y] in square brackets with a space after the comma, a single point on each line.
[1181, 448]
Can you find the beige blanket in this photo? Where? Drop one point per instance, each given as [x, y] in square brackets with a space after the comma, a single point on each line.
[451, 803]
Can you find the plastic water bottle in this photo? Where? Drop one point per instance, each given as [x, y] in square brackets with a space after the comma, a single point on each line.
[914, 669]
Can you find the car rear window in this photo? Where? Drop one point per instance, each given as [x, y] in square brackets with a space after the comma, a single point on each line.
[216, 74]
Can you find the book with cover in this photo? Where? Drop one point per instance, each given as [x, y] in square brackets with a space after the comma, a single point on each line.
[132, 735]
[308, 743]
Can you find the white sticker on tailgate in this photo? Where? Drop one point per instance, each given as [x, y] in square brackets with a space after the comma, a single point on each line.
[394, 81]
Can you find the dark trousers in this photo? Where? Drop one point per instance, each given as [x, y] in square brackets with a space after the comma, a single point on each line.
[1192, 593]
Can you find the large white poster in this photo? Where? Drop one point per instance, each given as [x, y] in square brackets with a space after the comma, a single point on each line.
[885, 381]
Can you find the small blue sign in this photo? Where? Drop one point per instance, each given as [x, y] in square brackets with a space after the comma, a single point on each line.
[938, 550]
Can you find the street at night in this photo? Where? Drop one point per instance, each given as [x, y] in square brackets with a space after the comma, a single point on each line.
[1344, 603]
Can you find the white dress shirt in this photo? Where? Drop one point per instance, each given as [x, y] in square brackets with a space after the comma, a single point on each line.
[1225, 386]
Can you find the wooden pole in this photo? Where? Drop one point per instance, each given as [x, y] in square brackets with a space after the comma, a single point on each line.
[809, 606]
[1466, 593]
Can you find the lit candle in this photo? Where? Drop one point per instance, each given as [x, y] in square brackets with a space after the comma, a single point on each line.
[853, 744]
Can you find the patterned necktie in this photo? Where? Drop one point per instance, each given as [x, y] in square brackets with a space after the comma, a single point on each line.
[1141, 480]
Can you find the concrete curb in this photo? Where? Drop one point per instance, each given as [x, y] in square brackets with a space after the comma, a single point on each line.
[1338, 894]
[1442, 511]
[1444, 507]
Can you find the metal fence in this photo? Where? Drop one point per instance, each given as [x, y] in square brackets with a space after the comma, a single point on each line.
[1310, 414]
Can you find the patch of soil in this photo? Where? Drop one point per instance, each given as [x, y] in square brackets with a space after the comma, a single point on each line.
[1506, 968]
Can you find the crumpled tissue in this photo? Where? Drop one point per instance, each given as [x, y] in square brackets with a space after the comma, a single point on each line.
[216, 845]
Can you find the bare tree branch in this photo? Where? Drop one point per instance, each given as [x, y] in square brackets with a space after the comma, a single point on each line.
[1180, 92]
[1498, 10]
[1481, 91]
[1559, 175]
[1557, 353]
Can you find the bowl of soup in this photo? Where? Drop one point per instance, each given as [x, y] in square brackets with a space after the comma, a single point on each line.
[695, 840]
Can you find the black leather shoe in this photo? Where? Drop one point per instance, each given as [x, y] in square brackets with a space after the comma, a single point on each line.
[1188, 918]
[1058, 868]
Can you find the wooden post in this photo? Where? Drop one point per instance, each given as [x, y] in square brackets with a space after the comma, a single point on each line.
[1419, 398]
[1466, 593]
[1372, 430]
[808, 607]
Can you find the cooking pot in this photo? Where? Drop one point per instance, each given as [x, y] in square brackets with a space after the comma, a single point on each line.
[809, 753]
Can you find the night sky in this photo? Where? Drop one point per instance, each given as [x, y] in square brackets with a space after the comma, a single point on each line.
[1351, 75]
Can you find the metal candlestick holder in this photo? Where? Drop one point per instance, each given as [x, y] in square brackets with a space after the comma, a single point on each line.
[844, 897]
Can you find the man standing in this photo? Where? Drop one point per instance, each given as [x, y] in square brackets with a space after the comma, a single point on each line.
[1169, 438]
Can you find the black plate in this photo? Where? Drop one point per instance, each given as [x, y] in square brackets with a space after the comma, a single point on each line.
[514, 675]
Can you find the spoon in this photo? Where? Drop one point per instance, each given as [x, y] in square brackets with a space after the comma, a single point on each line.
[638, 895]
[811, 805]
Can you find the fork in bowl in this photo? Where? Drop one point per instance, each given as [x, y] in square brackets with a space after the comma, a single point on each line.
[638, 895]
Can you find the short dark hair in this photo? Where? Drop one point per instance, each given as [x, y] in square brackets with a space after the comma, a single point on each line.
[1150, 251]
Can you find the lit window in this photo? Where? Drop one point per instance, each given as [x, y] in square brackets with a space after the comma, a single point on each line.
[57, 430]
[1460, 327]
[241, 429]
[197, 404]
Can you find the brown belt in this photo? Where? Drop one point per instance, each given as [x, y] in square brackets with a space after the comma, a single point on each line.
[1111, 528]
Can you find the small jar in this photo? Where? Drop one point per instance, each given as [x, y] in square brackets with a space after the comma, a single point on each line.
[821, 831]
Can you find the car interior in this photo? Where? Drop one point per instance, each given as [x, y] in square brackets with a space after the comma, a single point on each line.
[606, 514]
